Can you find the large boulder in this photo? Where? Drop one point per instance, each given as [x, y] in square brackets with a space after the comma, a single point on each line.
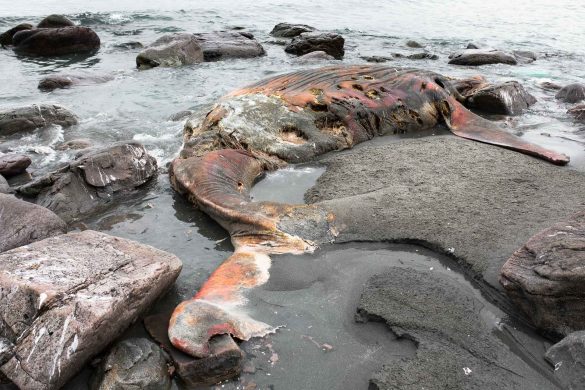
[4, 186]
[289, 30]
[330, 43]
[49, 42]
[568, 359]
[577, 112]
[64, 299]
[476, 57]
[93, 181]
[14, 120]
[572, 93]
[134, 364]
[55, 21]
[13, 164]
[545, 277]
[22, 223]
[6, 37]
[57, 81]
[221, 45]
[508, 98]
[171, 50]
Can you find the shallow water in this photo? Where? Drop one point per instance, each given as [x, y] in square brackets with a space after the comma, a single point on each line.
[136, 105]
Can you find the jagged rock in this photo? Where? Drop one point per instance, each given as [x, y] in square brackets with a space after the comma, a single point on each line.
[508, 98]
[330, 43]
[414, 44]
[55, 21]
[49, 42]
[171, 50]
[315, 56]
[578, 112]
[13, 164]
[4, 186]
[6, 37]
[65, 298]
[288, 30]
[136, 363]
[13, 120]
[476, 57]
[572, 93]
[57, 81]
[222, 45]
[568, 358]
[75, 144]
[22, 223]
[93, 180]
[545, 277]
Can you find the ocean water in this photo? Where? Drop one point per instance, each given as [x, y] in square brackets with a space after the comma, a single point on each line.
[137, 104]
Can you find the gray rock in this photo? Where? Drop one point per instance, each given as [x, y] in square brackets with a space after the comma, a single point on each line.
[13, 164]
[65, 298]
[4, 186]
[578, 112]
[422, 56]
[6, 37]
[525, 56]
[51, 42]
[472, 45]
[22, 223]
[129, 45]
[93, 181]
[289, 30]
[180, 115]
[572, 93]
[568, 358]
[456, 348]
[476, 57]
[549, 86]
[57, 81]
[171, 50]
[14, 120]
[508, 98]
[545, 277]
[55, 21]
[75, 144]
[330, 43]
[376, 59]
[222, 45]
[414, 44]
[315, 56]
[134, 364]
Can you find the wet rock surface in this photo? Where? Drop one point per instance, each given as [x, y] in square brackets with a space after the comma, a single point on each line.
[572, 93]
[55, 21]
[13, 164]
[14, 120]
[93, 181]
[22, 222]
[315, 56]
[509, 98]
[525, 56]
[476, 57]
[79, 143]
[330, 43]
[135, 363]
[222, 45]
[4, 186]
[65, 298]
[456, 349]
[60, 81]
[171, 50]
[545, 277]
[568, 358]
[578, 112]
[414, 44]
[289, 30]
[49, 42]
[6, 37]
[485, 204]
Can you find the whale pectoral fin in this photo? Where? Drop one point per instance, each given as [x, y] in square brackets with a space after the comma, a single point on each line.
[466, 124]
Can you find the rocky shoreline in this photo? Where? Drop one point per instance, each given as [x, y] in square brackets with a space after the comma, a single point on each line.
[68, 296]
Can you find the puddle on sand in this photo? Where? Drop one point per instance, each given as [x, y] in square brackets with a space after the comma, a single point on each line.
[287, 185]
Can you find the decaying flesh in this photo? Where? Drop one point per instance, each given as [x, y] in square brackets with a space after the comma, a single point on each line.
[289, 119]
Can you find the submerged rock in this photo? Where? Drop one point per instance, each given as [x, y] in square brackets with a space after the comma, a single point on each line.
[568, 359]
[315, 56]
[75, 144]
[6, 37]
[476, 57]
[171, 50]
[572, 93]
[55, 21]
[545, 277]
[289, 30]
[509, 98]
[14, 120]
[22, 223]
[330, 43]
[136, 363]
[129, 45]
[525, 56]
[180, 115]
[422, 56]
[578, 112]
[49, 42]
[58, 81]
[222, 45]
[376, 59]
[414, 44]
[93, 181]
[549, 86]
[65, 298]
[13, 164]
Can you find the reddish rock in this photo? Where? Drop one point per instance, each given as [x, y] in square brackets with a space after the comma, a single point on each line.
[13, 164]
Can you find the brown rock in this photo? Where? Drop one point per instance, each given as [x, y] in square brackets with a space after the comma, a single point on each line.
[545, 277]
[222, 45]
[6, 37]
[13, 164]
[14, 120]
[55, 21]
[49, 42]
[288, 30]
[476, 57]
[330, 43]
[65, 298]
